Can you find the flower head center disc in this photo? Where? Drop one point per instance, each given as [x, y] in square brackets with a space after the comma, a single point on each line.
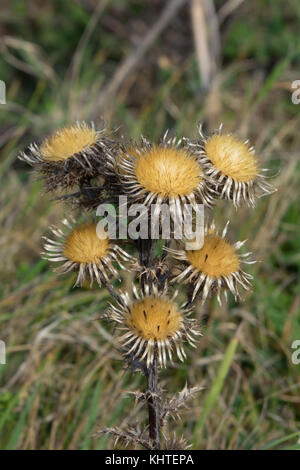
[216, 258]
[154, 318]
[68, 141]
[84, 246]
[168, 172]
[232, 157]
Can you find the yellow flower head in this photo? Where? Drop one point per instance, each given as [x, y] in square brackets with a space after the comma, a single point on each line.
[232, 157]
[216, 266]
[154, 318]
[67, 142]
[152, 322]
[83, 245]
[167, 173]
[73, 155]
[216, 258]
[86, 250]
[232, 168]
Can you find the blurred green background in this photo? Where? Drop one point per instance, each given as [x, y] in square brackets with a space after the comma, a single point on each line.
[147, 66]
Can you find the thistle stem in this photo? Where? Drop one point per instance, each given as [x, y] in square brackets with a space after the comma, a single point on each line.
[146, 253]
[154, 411]
[110, 289]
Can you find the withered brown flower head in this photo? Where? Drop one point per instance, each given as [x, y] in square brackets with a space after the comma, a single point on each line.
[71, 156]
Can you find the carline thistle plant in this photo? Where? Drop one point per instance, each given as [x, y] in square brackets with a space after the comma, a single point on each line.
[88, 167]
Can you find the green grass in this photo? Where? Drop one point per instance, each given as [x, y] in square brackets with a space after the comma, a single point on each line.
[63, 380]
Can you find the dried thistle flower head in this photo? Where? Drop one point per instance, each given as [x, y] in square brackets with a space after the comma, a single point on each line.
[233, 167]
[85, 250]
[168, 172]
[165, 173]
[152, 322]
[216, 266]
[71, 156]
[67, 142]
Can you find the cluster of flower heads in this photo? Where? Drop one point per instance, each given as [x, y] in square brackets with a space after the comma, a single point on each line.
[172, 172]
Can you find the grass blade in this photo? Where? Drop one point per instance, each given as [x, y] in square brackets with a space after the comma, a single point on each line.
[92, 416]
[276, 442]
[21, 424]
[216, 389]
